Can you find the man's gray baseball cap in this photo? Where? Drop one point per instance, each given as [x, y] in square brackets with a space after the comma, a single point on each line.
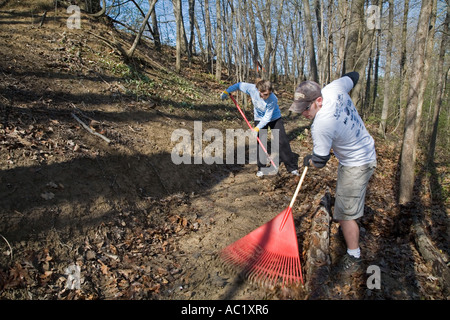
[304, 95]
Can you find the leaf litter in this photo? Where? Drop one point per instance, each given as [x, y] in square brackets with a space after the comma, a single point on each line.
[90, 220]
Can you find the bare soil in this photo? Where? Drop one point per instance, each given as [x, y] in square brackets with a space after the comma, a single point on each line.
[137, 225]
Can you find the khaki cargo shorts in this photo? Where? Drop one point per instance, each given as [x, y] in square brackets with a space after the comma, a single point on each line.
[351, 191]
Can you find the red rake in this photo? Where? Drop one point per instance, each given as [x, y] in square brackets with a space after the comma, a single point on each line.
[250, 126]
[269, 252]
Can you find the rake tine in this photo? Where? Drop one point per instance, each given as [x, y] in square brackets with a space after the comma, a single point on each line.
[269, 255]
[254, 268]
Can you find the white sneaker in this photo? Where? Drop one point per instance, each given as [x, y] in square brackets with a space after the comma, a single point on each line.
[261, 174]
[295, 173]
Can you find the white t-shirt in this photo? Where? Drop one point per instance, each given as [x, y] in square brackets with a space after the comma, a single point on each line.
[338, 126]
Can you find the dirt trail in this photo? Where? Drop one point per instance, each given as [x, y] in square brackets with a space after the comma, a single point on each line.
[137, 225]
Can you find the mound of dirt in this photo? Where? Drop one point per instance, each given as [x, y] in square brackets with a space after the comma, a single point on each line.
[84, 218]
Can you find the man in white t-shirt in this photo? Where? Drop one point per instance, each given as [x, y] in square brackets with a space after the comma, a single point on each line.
[337, 126]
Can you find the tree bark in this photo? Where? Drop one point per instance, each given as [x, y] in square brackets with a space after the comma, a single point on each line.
[265, 21]
[130, 52]
[376, 72]
[273, 65]
[387, 73]
[358, 47]
[426, 72]
[156, 35]
[208, 35]
[218, 42]
[432, 255]
[403, 68]
[314, 75]
[439, 87]
[254, 39]
[178, 19]
[343, 19]
[407, 160]
[192, 28]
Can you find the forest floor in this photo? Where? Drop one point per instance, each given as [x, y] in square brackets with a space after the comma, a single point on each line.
[139, 226]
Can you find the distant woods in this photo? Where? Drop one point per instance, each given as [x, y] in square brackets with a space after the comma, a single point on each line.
[399, 48]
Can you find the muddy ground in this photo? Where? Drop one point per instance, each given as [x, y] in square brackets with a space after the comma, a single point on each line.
[135, 224]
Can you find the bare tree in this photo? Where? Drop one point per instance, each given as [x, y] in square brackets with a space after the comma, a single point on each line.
[358, 47]
[387, 72]
[426, 72]
[343, 15]
[130, 52]
[279, 30]
[208, 34]
[192, 28]
[218, 41]
[310, 42]
[440, 86]
[254, 40]
[178, 19]
[407, 160]
[403, 68]
[265, 20]
[199, 39]
[155, 31]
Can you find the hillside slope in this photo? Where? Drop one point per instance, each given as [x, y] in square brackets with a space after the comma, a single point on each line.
[137, 225]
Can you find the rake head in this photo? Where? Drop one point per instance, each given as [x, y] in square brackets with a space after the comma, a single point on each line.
[268, 254]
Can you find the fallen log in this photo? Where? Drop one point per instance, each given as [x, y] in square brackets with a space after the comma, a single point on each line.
[318, 260]
[438, 261]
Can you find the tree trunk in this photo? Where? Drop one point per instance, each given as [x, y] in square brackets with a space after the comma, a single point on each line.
[426, 72]
[432, 255]
[376, 72]
[218, 42]
[178, 19]
[228, 25]
[368, 84]
[387, 73]
[351, 41]
[199, 39]
[439, 88]
[407, 160]
[156, 35]
[358, 47]
[403, 67]
[192, 28]
[239, 46]
[254, 38]
[273, 66]
[297, 48]
[208, 35]
[130, 52]
[314, 75]
[265, 21]
[343, 14]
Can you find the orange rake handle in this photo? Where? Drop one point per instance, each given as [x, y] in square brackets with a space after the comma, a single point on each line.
[249, 125]
[289, 209]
